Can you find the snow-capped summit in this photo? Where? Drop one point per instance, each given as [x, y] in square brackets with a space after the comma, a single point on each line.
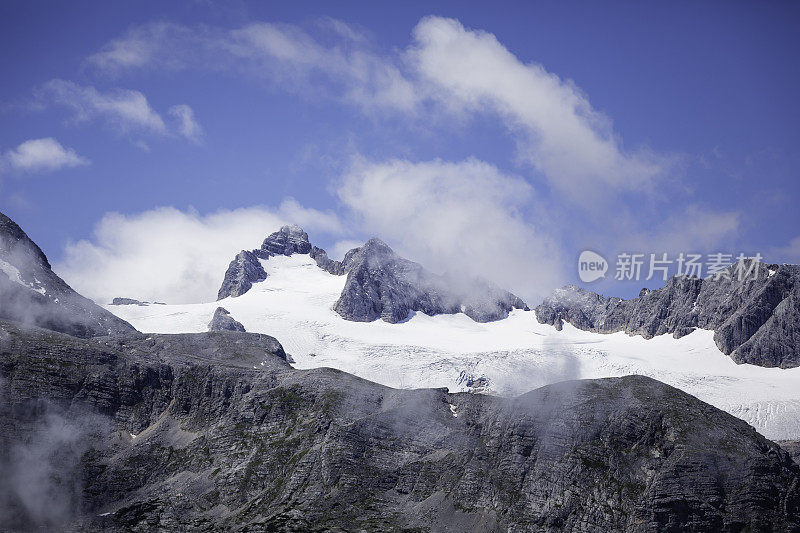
[245, 269]
[380, 283]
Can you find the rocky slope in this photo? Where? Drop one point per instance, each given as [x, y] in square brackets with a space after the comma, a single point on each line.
[31, 293]
[755, 321]
[216, 431]
[380, 284]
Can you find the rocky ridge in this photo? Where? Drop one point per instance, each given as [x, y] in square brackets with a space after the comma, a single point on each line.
[217, 432]
[31, 293]
[756, 320]
[132, 301]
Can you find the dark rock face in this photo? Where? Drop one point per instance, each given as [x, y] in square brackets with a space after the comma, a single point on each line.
[755, 320]
[286, 241]
[243, 271]
[223, 321]
[381, 284]
[220, 445]
[31, 293]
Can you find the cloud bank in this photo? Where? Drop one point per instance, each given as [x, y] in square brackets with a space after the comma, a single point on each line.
[174, 256]
[465, 217]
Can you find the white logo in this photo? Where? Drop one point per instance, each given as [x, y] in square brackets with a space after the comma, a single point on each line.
[591, 266]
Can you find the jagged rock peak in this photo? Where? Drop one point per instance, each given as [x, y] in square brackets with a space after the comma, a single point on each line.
[381, 284]
[223, 321]
[288, 240]
[243, 271]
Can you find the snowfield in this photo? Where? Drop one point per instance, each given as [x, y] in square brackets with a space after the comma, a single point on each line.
[294, 304]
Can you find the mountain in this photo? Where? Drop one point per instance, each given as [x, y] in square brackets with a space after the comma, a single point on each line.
[31, 293]
[755, 320]
[380, 284]
[216, 431]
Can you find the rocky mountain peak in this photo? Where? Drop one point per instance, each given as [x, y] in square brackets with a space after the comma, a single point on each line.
[288, 240]
[32, 294]
[15, 242]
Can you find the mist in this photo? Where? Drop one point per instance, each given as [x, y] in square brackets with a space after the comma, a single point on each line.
[41, 463]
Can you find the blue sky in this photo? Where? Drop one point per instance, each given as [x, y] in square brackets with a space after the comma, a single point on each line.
[500, 139]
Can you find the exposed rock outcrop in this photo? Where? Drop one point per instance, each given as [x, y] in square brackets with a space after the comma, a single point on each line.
[243, 271]
[31, 293]
[223, 321]
[337, 268]
[286, 241]
[756, 320]
[127, 301]
[186, 434]
[381, 284]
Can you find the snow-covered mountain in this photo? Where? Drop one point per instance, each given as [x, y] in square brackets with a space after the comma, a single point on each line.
[296, 298]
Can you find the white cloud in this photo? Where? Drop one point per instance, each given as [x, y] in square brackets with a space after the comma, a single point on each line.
[463, 217]
[340, 248]
[361, 75]
[164, 44]
[469, 212]
[45, 154]
[277, 52]
[446, 69]
[558, 131]
[187, 125]
[692, 229]
[790, 253]
[174, 256]
[126, 110]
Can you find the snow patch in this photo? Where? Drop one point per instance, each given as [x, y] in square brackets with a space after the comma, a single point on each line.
[14, 275]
